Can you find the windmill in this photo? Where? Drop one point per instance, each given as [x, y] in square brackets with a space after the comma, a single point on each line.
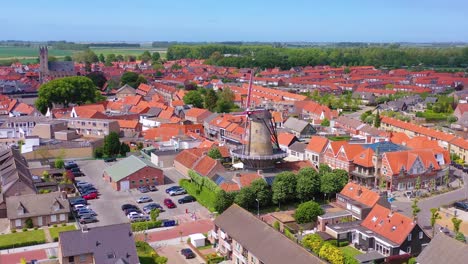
[261, 149]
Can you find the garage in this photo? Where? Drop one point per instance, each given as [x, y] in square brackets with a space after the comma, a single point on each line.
[124, 185]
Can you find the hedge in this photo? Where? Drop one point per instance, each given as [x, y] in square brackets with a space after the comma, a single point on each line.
[203, 181]
[141, 226]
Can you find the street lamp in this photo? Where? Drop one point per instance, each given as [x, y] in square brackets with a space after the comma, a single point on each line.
[258, 208]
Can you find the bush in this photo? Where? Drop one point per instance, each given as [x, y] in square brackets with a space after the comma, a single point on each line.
[141, 226]
[24, 229]
[59, 163]
[343, 244]
[29, 223]
[35, 228]
[98, 152]
[64, 224]
[307, 212]
[213, 258]
[276, 225]
[55, 225]
[13, 230]
[203, 181]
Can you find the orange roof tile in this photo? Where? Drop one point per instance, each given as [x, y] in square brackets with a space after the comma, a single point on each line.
[229, 187]
[317, 144]
[133, 124]
[364, 158]
[195, 112]
[286, 139]
[24, 109]
[205, 165]
[247, 179]
[162, 133]
[360, 194]
[393, 226]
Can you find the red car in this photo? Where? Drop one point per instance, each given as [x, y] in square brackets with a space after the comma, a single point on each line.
[90, 196]
[169, 203]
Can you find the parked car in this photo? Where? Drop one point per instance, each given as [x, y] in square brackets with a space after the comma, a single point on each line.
[128, 206]
[82, 184]
[143, 189]
[76, 201]
[90, 196]
[77, 173]
[153, 188]
[461, 205]
[169, 203]
[79, 207]
[70, 162]
[178, 191]
[88, 219]
[75, 169]
[85, 211]
[172, 188]
[465, 168]
[186, 199]
[87, 189]
[187, 253]
[71, 166]
[144, 199]
[110, 159]
[147, 208]
[136, 210]
[138, 218]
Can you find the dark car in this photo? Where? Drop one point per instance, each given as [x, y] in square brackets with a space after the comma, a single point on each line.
[465, 168]
[147, 208]
[75, 169]
[128, 206]
[143, 189]
[109, 159]
[129, 210]
[172, 188]
[461, 205]
[87, 190]
[76, 201]
[77, 173]
[71, 166]
[187, 253]
[169, 203]
[186, 199]
[153, 188]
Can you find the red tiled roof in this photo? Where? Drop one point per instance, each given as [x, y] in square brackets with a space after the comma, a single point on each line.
[317, 144]
[248, 178]
[393, 226]
[188, 157]
[195, 112]
[133, 124]
[360, 194]
[364, 158]
[285, 139]
[24, 109]
[229, 187]
[205, 165]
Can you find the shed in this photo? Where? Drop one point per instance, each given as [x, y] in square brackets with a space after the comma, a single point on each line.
[197, 240]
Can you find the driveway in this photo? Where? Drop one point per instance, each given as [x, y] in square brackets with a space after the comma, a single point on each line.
[108, 206]
[174, 257]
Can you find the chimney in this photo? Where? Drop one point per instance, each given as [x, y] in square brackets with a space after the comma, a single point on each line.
[359, 191]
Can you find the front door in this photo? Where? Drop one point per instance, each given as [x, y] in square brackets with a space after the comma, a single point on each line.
[39, 220]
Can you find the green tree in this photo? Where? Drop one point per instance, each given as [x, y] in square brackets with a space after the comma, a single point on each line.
[98, 78]
[111, 145]
[415, 208]
[262, 192]
[98, 152]
[154, 214]
[155, 56]
[214, 153]
[276, 225]
[324, 168]
[29, 223]
[307, 212]
[460, 237]
[313, 242]
[456, 224]
[245, 198]
[157, 66]
[325, 122]
[146, 56]
[67, 58]
[68, 90]
[223, 106]
[46, 176]
[224, 200]
[59, 163]
[210, 100]
[417, 185]
[110, 58]
[377, 120]
[279, 193]
[87, 57]
[308, 184]
[119, 57]
[434, 217]
[124, 149]
[290, 182]
[331, 253]
[132, 79]
[101, 58]
[330, 183]
[194, 98]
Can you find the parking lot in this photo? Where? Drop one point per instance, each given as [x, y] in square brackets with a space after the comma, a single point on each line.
[172, 252]
[108, 205]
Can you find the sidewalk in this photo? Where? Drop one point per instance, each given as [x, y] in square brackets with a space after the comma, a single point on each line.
[23, 249]
[199, 226]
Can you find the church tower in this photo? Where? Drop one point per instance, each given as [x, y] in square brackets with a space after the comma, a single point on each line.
[43, 63]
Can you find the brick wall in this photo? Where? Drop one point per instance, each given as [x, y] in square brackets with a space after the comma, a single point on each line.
[143, 177]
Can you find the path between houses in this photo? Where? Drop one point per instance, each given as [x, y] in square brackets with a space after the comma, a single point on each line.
[47, 235]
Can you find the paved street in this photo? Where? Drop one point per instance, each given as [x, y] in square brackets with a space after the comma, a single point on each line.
[108, 206]
[434, 202]
[172, 252]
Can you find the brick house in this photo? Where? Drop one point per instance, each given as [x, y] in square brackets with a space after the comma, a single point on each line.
[340, 155]
[42, 209]
[315, 150]
[104, 244]
[198, 161]
[197, 115]
[133, 172]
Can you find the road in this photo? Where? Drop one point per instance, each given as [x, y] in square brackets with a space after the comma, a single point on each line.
[434, 202]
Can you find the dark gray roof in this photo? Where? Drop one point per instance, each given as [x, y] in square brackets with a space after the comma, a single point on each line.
[298, 147]
[61, 66]
[14, 170]
[113, 240]
[444, 249]
[369, 256]
[265, 243]
[295, 124]
[36, 205]
[153, 111]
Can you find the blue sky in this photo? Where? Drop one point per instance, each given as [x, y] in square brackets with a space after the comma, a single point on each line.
[241, 20]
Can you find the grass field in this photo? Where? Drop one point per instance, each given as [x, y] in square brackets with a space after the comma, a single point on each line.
[54, 231]
[350, 251]
[30, 54]
[22, 239]
[206, 197]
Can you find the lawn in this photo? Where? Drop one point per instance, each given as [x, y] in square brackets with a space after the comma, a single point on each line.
[29, 52]
[22, 239]
[54, 231]
[205, 197]
[147, 255]
[128, 51]
[350, 251]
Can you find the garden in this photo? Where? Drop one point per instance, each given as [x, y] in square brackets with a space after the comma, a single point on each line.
[22, 239]
[147, 255]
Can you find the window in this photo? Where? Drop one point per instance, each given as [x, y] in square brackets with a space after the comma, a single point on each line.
[141, 181]
[110, 255]
[62, 217]
[408, 250]
[133, 182]
[147, 180]
[71, 259]
[18, 222]
[409, 237]
[82, 258]
[53, 218]
[421, 234]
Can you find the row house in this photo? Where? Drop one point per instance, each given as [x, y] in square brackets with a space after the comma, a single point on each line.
[340, 155]
[97, 128]
[384, 235]
[315, 150]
